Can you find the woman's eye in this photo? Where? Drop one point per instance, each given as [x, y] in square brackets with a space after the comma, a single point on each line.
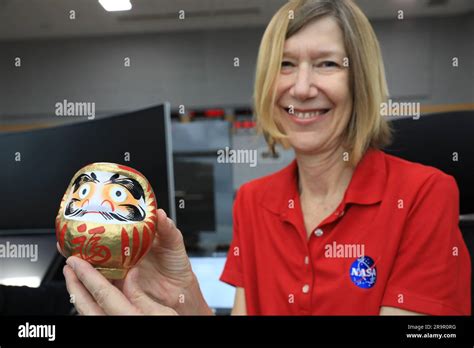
[286, 64]
[329, 64]
[118, 194]
[84, 191]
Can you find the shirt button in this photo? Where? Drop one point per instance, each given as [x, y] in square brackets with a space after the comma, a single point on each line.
[319, 232]
[306, 260]
[305, 288]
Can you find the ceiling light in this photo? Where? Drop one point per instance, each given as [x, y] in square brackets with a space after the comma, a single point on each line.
[116, 5]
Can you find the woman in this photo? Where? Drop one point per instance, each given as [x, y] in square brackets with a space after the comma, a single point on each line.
[345, 229]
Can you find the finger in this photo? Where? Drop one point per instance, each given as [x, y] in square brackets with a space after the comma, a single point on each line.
[168, 235]
[81, 298]
[59, 249]
[107, 296]
[140, 299]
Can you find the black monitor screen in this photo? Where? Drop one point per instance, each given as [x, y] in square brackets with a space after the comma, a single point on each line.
[37, 166]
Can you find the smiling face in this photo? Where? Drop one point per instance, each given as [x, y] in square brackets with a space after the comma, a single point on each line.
[313, 97]
[105, 197]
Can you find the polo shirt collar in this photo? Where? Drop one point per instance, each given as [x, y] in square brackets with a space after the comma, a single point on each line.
[367, 184]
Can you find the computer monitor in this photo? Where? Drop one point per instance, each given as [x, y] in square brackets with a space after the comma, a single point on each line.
[194, 181]
[218, 295]
[37, 166]
[443, 141]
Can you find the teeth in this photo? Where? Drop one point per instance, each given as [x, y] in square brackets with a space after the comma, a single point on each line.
[307, 115]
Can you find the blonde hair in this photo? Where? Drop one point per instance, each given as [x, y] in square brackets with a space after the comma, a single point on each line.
[368, 86]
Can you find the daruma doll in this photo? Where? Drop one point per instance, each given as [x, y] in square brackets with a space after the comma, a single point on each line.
[107, 217]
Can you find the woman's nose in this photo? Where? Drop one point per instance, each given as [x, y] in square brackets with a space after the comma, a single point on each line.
[303, 87]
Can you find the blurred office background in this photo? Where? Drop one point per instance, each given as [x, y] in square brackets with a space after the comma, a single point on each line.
[203, 65]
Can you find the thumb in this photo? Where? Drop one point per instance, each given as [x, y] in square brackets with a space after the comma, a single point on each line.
[169, 237]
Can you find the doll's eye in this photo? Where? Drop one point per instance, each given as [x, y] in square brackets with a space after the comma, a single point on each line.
[84, 191]
[118, 194]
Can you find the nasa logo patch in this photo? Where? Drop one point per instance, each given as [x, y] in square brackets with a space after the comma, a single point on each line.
[363, 272]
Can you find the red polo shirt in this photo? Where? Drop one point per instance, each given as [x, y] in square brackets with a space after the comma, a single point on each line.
[393, 241]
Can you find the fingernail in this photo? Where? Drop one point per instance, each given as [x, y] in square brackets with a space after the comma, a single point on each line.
[71, 263]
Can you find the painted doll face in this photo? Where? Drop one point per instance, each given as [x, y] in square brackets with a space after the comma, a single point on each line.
[105, 197]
